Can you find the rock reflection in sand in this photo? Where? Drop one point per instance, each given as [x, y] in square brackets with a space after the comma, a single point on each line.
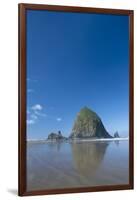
[87, 157]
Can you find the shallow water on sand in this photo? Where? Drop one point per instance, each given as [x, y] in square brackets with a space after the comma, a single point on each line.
[78, 164]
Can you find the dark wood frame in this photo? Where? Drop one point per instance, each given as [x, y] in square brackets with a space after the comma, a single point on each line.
[22, 98]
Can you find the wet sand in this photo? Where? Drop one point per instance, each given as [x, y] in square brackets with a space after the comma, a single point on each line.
[76, 164]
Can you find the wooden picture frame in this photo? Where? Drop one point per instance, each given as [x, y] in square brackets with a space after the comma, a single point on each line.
[22, 98]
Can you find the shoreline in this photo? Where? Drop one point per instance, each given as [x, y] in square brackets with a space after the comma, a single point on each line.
[76, 140]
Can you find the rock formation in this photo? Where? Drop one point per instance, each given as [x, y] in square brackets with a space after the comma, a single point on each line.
[116, 134]
[56, 136]
[88, 125]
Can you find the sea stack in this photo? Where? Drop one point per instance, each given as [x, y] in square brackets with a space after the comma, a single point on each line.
[116, 135]
[88, 125]
[56, 136]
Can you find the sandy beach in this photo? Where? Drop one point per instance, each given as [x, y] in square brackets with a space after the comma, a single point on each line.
[76, 164]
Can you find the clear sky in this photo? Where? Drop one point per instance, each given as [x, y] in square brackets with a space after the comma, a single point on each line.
[76, 60]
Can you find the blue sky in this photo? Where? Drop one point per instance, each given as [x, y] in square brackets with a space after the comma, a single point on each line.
[76, 60]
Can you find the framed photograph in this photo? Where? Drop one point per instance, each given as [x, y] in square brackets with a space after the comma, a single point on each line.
[75, 99]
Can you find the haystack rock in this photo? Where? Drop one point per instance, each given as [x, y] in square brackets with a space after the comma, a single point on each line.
[88, 125]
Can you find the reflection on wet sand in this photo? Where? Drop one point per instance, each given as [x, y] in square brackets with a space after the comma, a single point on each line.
[76, 164]
[117, 142]
[87, 157]
[55, 146]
